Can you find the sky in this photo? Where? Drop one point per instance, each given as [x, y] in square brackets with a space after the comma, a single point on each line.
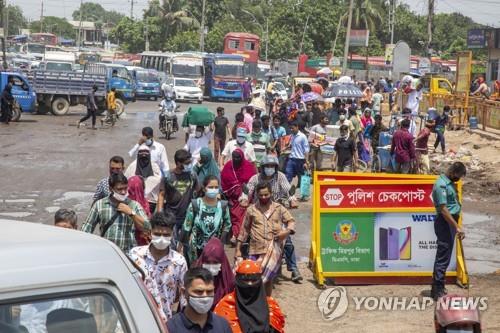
[482, 11]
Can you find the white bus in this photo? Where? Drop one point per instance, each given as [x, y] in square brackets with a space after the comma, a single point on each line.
[161, 61]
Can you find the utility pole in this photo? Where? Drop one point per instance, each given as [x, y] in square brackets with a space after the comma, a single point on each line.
[6, 22]
[336, 35]
[41, 18]
[429, 27]
[202, 27]
[304, 35]
[392, 18]
[267, 35]
[347, 37]
[79, 39]
[4, 56]
[147, 36]
[131, 9]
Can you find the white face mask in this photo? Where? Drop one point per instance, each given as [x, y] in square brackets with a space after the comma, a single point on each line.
[213, 268]
[201, 304]
[198, 134]
[120, 197]
[160, 242]
[269, 171]
[149, 142]
[212, 192]
[241, 140]
[459, 330]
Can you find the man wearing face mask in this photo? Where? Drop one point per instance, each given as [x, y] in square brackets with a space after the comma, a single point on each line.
[247, 309]
[446, 225]
[116, 165]
[261, 141]
[149, 172]
[163, 267]
[117, 215]
[280, 193]
[200, 139]
[346, 156]
[241, 143]
[177, 189]
[197, 317]
[266, 227]
[158, 151]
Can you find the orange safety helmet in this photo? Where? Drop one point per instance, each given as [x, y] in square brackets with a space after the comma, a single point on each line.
[249, 267]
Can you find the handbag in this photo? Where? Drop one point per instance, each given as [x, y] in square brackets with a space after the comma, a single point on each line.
[305, 185]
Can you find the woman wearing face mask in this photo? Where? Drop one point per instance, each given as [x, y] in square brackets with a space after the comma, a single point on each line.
[206, 166]
[247, 309]
[206, 217]
[215, 260]
[150, 173]
[136, 188]
[235, 174]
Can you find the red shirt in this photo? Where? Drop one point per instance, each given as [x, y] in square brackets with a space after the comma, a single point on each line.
[402, 146]
[422, 140]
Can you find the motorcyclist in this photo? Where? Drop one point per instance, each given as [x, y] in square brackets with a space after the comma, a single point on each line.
[168, 103]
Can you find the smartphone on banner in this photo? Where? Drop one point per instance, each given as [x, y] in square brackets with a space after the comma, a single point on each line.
[393, 244]
[382, 240]
[405, 243]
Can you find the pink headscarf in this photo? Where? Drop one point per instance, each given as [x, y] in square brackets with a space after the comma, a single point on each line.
[136, 193]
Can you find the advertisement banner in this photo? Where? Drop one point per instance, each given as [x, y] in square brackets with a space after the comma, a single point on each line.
[406, 242]
[476, 39]
[379, 242]
[464, 63]
[340, 176]
[389, 48]
[376, 196]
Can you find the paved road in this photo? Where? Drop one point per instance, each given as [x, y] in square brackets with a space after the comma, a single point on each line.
[47, 163]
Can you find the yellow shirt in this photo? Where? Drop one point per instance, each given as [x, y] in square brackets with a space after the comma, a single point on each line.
[111, 98]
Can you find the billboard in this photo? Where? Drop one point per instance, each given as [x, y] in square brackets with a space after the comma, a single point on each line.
[359, 37]
[476, 39]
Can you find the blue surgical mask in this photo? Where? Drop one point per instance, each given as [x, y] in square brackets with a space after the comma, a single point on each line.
[269, 171]
[149, 142]
[212, 193]
[188, 168]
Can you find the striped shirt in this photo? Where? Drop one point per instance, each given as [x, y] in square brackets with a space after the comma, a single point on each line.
[102, 189]
[279, 185]
[122, 231]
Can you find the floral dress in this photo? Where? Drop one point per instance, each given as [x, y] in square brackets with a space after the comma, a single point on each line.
[208, 222]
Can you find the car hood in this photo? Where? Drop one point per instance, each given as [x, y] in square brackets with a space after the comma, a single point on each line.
[188, 89]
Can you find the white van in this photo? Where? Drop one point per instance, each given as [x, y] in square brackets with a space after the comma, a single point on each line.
[59, 280]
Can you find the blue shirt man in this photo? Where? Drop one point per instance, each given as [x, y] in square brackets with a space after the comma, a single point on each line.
[297, 161]
[444, 195]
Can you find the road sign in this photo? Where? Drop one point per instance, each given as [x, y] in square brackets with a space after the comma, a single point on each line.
[334, 62]
[333, 197]
[424, 66]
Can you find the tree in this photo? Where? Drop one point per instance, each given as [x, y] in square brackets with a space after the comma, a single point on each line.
[17, 21]
[129, 35]
[176, 17]
[183, 41]
[366, 14]
[56, 25]
[94, 12]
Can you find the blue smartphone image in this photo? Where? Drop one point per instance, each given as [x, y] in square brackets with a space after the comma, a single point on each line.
[382, 237]
[393, 244]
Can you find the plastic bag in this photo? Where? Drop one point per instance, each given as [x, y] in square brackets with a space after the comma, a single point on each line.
[305, 185]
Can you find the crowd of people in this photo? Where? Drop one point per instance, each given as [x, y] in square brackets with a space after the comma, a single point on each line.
[174, 221]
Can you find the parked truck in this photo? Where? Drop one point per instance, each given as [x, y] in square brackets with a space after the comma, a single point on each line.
[24, 95]
[56, 91]
[118, 77]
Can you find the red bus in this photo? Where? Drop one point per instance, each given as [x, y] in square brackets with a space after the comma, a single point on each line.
[244, 44]
[44, 38]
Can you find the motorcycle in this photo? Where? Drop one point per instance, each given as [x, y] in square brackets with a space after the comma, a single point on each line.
[168, 118]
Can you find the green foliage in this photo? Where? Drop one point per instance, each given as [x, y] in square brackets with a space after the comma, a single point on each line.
[129, 35]
[16, 19]
[55, 25]
[94, 12]
[183, 41]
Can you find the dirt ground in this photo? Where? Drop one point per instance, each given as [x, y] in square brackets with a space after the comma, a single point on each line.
[47, 164]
